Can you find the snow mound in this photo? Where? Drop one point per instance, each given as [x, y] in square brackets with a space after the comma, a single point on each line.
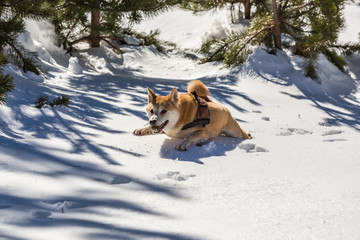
[333, 80]
[33, 46]
[74, 66]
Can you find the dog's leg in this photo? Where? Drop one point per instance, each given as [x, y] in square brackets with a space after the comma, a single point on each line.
[197, 137]
[232, 129]
[143, 131]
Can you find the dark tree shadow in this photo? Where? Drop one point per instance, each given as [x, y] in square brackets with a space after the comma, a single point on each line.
[92, 99]
[43, 214]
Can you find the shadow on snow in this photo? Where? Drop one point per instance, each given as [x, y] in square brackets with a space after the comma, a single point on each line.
[44, 214]
[216, 147]
[288, 75]
[92, 100]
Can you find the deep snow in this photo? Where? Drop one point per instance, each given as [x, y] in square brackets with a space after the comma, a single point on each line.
[79, 173]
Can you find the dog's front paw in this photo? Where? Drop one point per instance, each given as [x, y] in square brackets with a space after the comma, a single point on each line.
[143, 131]
[181, 147]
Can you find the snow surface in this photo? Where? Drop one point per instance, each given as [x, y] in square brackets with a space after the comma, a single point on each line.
[79, 173]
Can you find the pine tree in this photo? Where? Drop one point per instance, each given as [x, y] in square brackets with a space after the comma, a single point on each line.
[12, 14]
[93, 21]
[314, 25]
[6, 82]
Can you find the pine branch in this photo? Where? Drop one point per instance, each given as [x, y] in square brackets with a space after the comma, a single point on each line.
[296, 8]
[348, 48]
[267, 28]
[284, 5]
[82, 39]
[335, 59]
[6, 85]
[14, 3]
[26, 63]
[220, 49]
[116, 49]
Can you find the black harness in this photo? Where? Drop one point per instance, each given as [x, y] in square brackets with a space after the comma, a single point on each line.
[202, 116]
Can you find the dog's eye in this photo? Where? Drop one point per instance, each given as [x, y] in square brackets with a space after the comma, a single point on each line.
[163, 111]
[152, 111]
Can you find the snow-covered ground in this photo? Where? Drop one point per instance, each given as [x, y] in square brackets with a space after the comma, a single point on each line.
[79, 173]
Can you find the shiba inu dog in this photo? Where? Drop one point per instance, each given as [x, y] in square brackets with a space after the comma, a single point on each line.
[191, 116]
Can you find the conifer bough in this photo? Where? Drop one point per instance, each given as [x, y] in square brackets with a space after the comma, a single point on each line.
[107, 19]
[313, 25]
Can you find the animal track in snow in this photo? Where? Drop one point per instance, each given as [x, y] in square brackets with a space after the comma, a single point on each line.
[291, 131]
[266, 119]
[335, 140]
[63, 205]
[332, 132]
[174, 176]
[251, 148]
[299, 131]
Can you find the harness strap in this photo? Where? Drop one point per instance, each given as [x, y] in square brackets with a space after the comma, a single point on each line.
[202, 116]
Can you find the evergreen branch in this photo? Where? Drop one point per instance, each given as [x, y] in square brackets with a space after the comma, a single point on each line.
[71, 29]
[288, 14]
[226, 44]
[82, 39]
[26, 63]
[217, 52]
[348, 48]
[295, 8]
[310, 69]
[14, 4]
[253, 37]
[120, 7]
[295, 31]
[334, 58]
[6, 82]
[116, 49]
[6, 85]
[284, 6]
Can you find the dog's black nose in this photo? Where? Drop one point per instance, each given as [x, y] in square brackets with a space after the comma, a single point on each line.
[152, 122]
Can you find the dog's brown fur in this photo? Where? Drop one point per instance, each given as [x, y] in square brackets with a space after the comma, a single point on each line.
[170, 113]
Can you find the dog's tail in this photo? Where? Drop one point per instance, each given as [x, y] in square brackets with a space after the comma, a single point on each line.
[201, 90]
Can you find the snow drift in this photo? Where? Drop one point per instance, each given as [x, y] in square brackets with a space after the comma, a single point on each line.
[79, 173]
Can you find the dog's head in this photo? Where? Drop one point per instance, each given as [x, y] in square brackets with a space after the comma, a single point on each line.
[163, 111]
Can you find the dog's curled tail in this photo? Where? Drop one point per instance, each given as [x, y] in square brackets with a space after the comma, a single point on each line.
[201, 90]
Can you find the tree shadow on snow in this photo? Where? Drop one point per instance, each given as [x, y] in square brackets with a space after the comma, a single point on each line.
[92, 99]
[57, 213]
[340, 108]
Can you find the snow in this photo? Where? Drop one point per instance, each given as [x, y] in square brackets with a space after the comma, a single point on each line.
[79, 173]
[74, 66]
[204, 25]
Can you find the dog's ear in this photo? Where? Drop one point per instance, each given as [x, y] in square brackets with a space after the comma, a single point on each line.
[174, 96]
[151, 96]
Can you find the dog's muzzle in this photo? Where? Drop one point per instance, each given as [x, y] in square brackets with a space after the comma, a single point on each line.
[158, 129]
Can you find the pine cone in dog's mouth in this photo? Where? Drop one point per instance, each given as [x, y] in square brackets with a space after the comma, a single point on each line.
[158, 129]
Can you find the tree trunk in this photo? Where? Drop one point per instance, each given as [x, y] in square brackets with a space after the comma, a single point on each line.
[95, 29]
[247, 6]
[276, 29]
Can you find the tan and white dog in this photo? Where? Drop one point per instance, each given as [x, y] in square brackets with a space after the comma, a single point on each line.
[169, 114]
